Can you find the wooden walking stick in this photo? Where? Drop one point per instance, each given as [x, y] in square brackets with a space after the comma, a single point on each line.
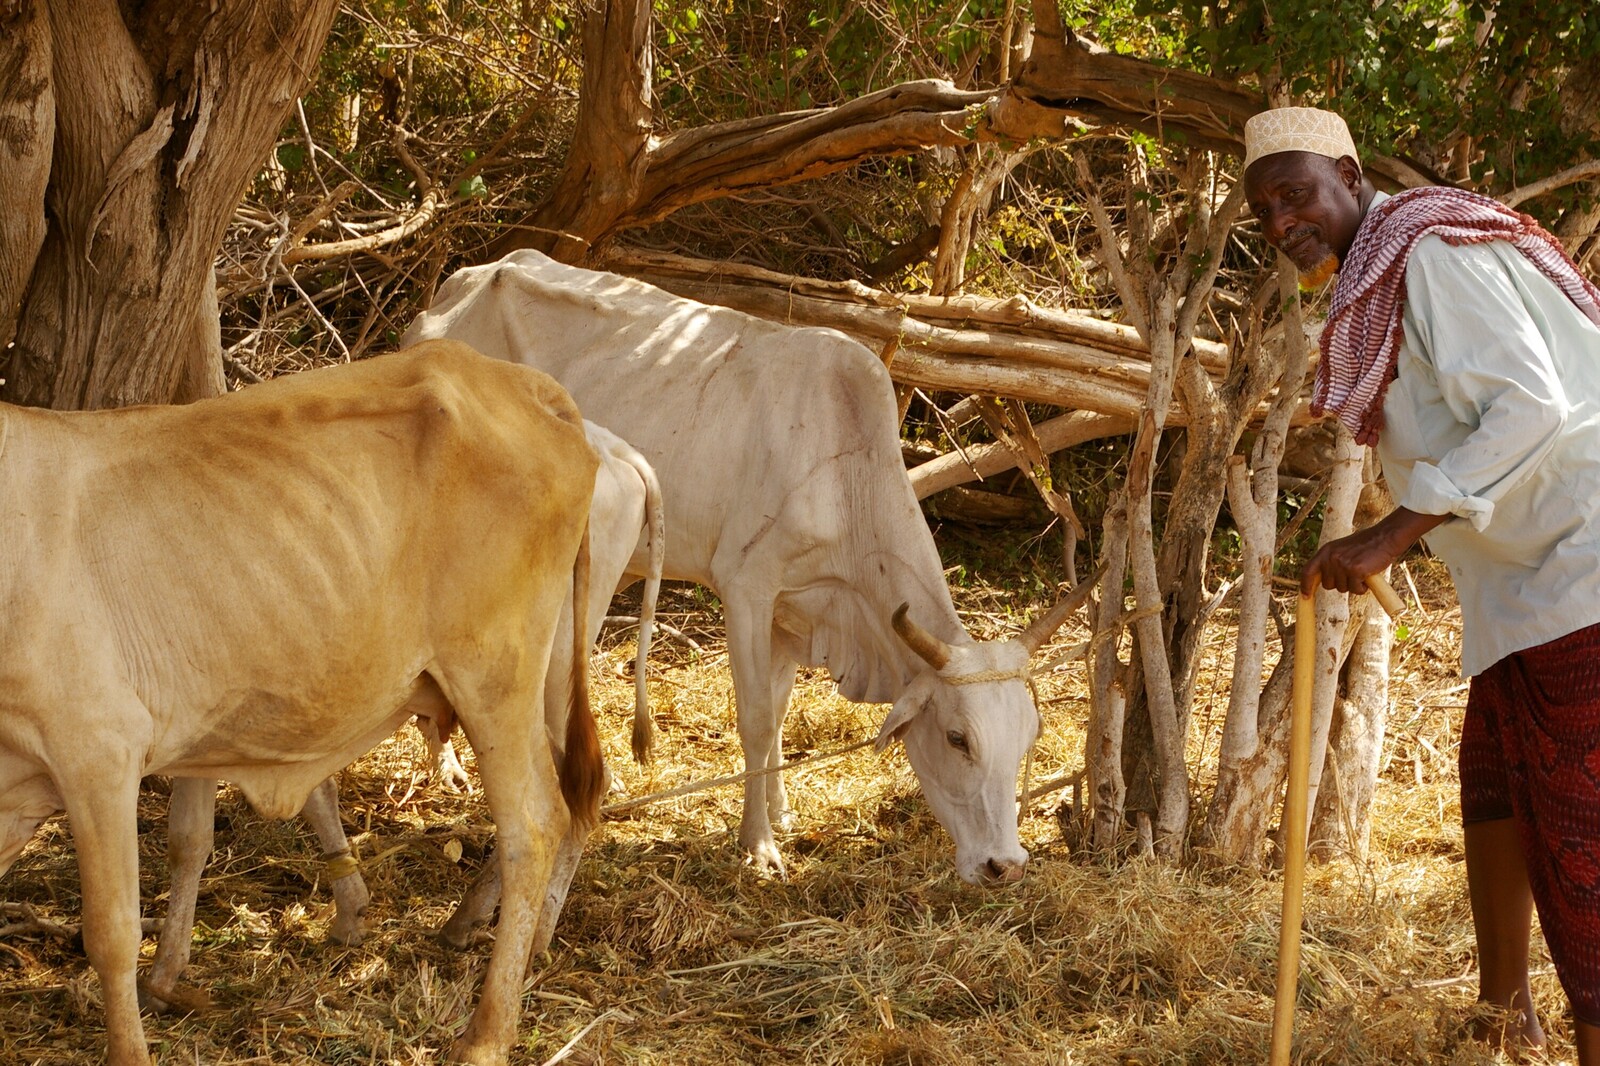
[1295, 797]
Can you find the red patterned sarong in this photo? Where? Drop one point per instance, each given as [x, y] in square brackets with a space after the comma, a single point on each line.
[1530, 750]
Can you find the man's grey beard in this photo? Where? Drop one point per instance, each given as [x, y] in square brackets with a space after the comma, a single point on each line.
[1321, 274]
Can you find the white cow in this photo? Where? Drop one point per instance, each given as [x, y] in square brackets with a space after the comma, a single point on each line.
[261, 586]
[626, 529]
[779, 459]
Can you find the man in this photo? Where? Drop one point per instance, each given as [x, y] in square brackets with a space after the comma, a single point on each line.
[1464, 345]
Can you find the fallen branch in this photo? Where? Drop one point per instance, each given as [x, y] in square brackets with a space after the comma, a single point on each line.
[658, 626]
[979, 508]
[33, 924]
[1017, 313]
[1062, 358]
[420, 218]
[985, 460]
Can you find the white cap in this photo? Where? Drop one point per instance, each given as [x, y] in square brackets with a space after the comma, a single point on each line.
[1297, 129]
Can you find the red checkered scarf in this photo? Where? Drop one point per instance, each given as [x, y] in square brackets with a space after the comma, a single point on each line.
[1361, 342]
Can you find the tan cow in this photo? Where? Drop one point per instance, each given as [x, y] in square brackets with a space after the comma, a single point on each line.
[627, 531]
[262, 586]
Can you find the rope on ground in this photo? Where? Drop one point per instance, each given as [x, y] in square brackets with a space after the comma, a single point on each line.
[729, 779]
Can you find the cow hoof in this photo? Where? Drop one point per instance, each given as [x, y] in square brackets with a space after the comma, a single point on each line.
[456, 782]
[348, 935]
[784, 822]
[179, 999]
[764, 857]
[462, 935]
[478, 1054]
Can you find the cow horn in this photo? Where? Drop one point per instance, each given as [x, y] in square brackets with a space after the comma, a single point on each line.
[1046, 624]
[928, 647]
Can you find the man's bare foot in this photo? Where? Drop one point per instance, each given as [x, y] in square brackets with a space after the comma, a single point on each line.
[1512, 1030]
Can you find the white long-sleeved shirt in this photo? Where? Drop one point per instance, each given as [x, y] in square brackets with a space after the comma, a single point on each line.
[1495, 418]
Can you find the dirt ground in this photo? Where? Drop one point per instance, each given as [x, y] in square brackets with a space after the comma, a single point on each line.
[672, 950]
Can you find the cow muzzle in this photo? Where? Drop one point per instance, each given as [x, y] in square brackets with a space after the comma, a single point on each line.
[1003, 871]
[999, 865]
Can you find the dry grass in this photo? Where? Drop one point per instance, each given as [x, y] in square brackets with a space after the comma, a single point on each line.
[872, 951]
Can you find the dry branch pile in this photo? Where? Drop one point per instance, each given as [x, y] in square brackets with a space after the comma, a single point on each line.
[964, 344]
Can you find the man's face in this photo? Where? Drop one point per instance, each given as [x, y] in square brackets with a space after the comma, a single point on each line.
[1309, 207]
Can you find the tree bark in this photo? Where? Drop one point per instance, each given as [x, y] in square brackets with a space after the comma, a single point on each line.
[27, 131]
[1250, 769]
[1333, 608]
[604, 173]
[1108, 697]
[1341, 821]
[163, 113]
[1087, 82]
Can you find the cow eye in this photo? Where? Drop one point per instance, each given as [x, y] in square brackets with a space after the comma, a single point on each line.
[957, 739]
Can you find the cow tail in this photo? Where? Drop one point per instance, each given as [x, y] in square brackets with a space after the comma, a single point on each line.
[582, 769]
[644, 728]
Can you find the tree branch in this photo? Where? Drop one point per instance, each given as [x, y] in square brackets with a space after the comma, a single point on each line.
[1587, 169]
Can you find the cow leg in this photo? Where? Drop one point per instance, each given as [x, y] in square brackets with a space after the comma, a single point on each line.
[102, 811]
[350, 896]
[749, 629]
[27, 798]
[520, 783]
[555, 897]
[448, 771]
[783, 677]
[475, 907]
[447, 768]
[484, 895]
[191, 816]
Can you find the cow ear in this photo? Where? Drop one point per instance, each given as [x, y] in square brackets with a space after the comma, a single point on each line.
[911, 703]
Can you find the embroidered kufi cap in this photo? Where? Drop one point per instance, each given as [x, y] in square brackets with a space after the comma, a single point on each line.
[1297, 129]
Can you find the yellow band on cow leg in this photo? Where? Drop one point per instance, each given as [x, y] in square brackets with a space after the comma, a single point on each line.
[342, 865]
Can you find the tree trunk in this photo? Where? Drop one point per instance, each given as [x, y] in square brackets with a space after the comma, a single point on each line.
[1333, 608]
[605, 167]
[27, 131]
[1250, 769]
[163, 113]
[1246, 799]
[1166, 618]
[1108, 697]
[1341, 822]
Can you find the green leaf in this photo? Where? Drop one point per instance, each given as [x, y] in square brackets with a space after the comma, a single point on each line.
[474, 188]
[291, 157]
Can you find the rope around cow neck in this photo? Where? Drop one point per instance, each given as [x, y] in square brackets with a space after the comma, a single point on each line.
[980, 677]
